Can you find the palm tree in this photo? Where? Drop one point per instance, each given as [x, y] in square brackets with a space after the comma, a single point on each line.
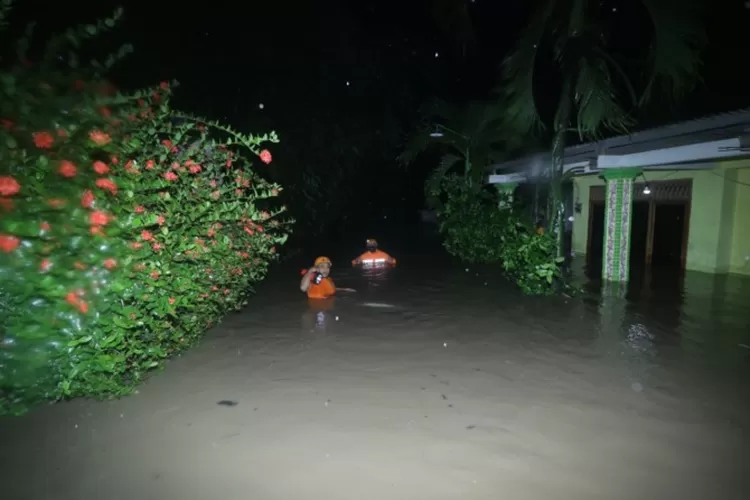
[575, 40]
[471, 136]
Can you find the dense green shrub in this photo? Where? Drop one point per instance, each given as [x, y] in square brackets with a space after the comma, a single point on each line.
[480, 225]
[126, 230]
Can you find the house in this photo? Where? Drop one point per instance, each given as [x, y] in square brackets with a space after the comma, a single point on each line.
[676, 195]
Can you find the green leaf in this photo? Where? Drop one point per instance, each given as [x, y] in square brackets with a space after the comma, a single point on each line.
[82, 340]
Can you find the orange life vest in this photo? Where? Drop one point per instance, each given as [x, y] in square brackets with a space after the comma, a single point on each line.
[323, 290]
[376, 257]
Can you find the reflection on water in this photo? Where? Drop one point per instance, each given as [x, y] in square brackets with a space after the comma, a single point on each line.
[666, 316]
[693, 315]
[663, 329]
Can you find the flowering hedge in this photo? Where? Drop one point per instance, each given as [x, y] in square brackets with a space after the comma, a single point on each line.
[126, 231]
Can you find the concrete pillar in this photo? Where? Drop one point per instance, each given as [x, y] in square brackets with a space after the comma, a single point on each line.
[617, 222]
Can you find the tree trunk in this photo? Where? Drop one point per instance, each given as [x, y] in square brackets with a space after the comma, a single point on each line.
[570, 71]
[556, 209]
[467, 166]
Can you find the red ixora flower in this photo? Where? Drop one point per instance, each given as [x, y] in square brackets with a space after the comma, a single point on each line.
[99, 138]
[9, 186]
[101, 168]
[67, 169]
[8, 243]
[87, 199]
[98, 218]
[265, 156]
[73, 299]
[107, 184]
[43, 140]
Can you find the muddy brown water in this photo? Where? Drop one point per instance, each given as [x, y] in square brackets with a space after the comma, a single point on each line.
[436, 380]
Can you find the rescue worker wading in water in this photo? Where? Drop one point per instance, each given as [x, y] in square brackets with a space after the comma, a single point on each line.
[317, 282]
[373, 256]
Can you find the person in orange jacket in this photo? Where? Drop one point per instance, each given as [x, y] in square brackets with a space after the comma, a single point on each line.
[317, 282]
[373, 255]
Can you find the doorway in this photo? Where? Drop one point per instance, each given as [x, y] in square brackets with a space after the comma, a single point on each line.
[639, 234]
[595, 244]
[659, 225]
[669, 243]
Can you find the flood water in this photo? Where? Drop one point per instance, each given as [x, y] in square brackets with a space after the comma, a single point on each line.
[436, 380]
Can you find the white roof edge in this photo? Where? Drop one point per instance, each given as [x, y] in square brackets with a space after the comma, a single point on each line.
[705, 124]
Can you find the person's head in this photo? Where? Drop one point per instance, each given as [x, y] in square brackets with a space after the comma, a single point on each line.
[323, 265]
[371, 245]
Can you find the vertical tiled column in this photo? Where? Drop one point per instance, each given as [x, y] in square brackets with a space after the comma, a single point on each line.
[617, 222]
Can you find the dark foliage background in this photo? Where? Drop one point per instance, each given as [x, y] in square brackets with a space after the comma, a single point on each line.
[343, 82]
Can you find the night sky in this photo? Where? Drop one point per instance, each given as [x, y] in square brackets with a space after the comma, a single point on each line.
[342, 82]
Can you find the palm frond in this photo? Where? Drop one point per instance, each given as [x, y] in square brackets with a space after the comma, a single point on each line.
[517, 89]
[676, 49]
[433, 185]
[620, 71]
[487, 117]
[596, 100]
[415, 145]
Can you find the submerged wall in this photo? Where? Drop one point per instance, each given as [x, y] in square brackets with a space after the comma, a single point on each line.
[719, 231]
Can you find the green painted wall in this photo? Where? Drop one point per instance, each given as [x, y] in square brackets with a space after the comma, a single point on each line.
[704, 252]
[581, 191]
[740, 255]
[726, 221]
[718, 240]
